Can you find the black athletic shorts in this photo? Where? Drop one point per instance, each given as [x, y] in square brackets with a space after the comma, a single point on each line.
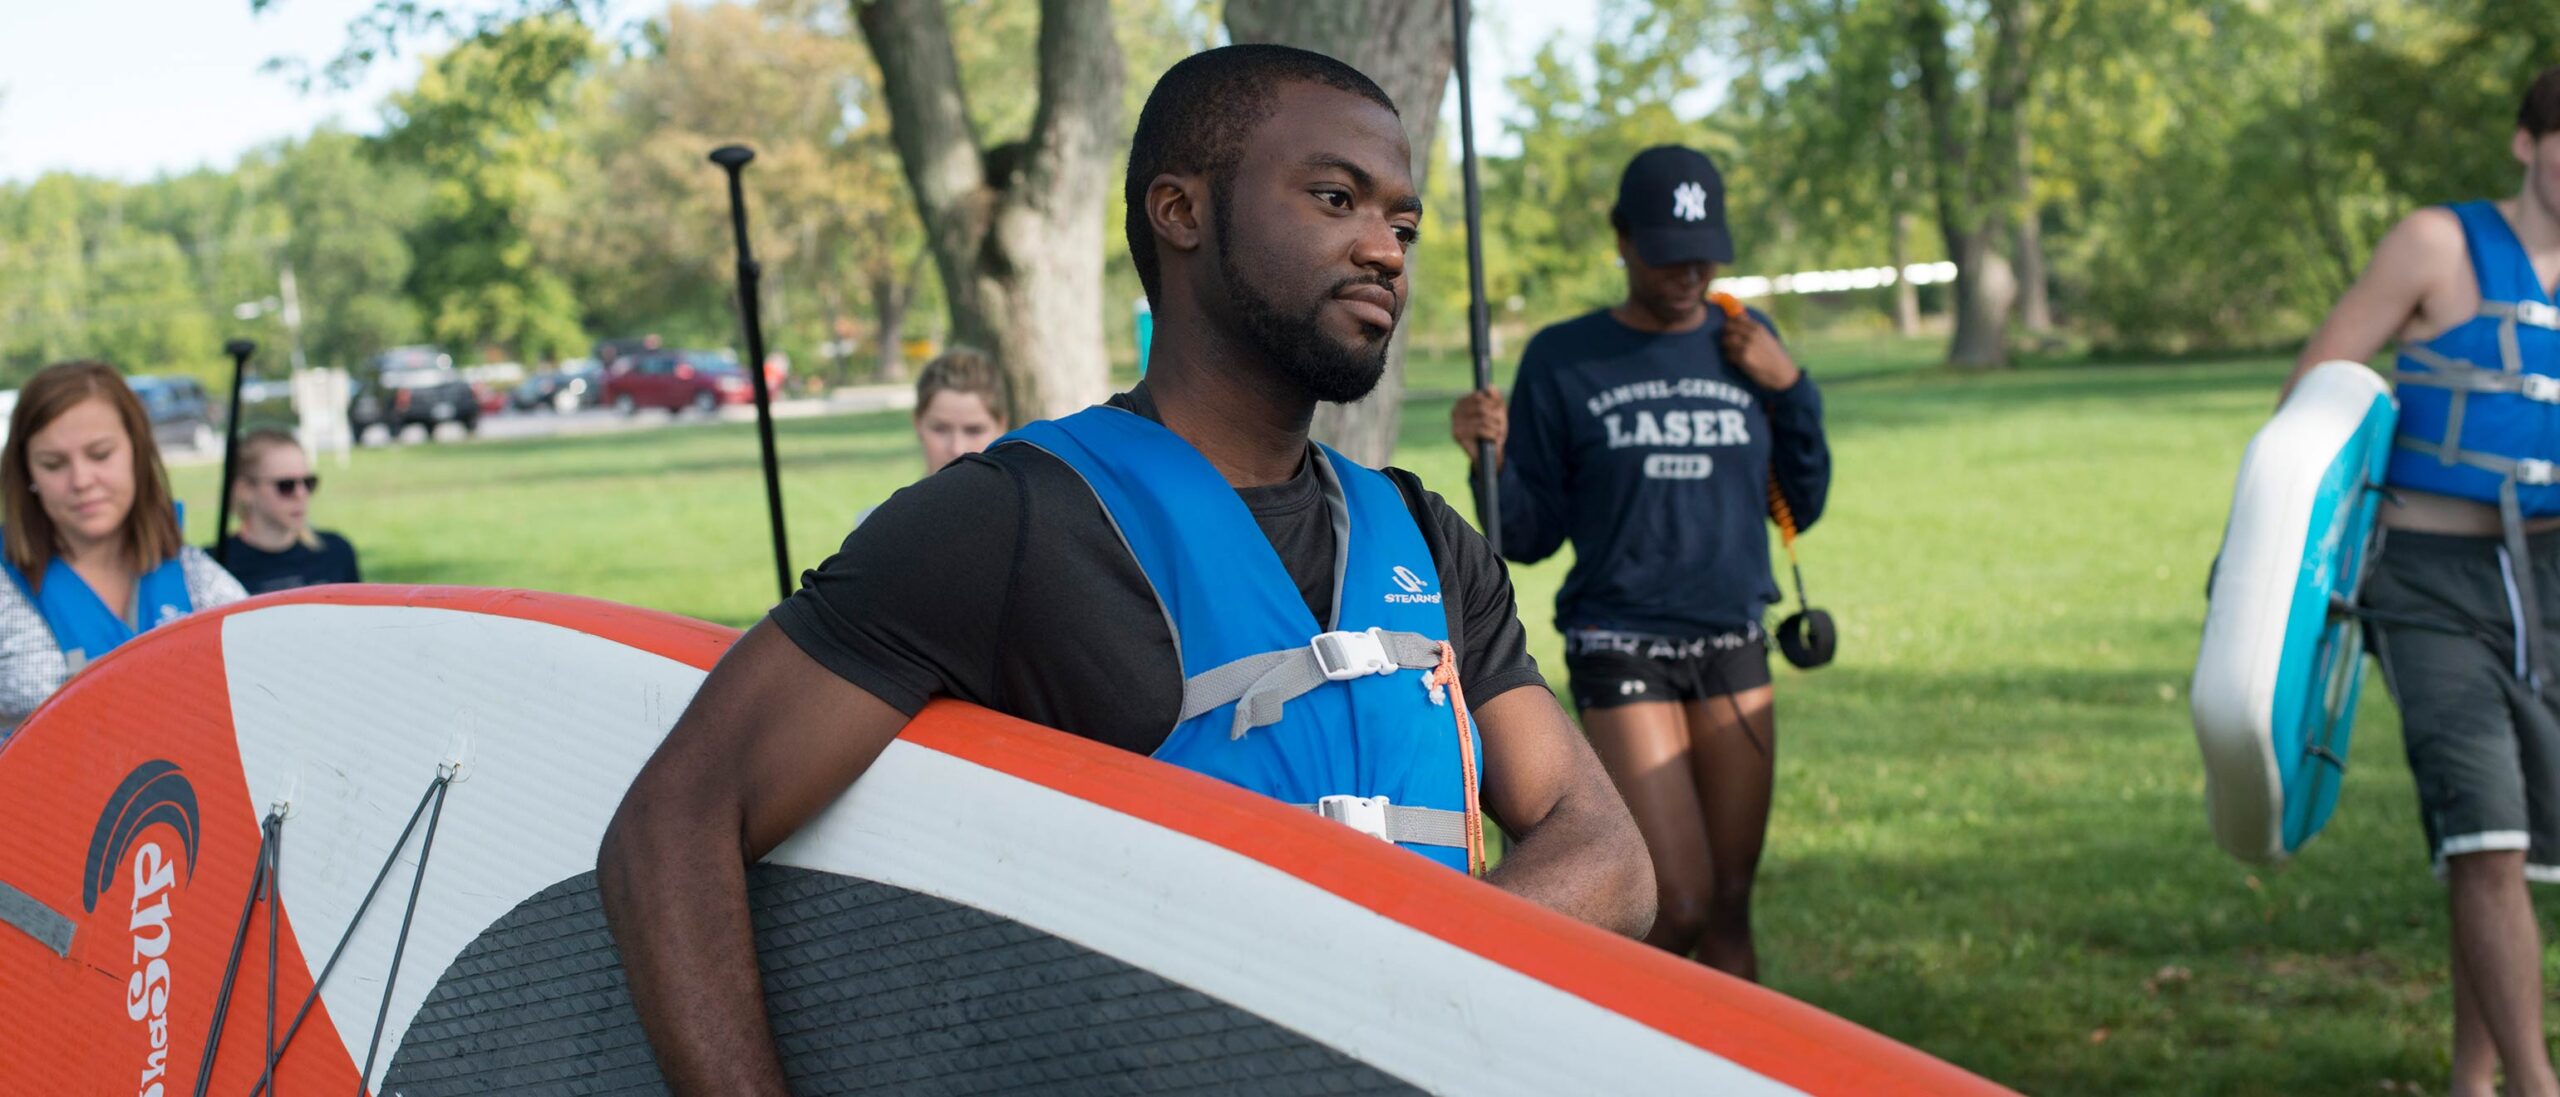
[2483, 742]
[1608, 668]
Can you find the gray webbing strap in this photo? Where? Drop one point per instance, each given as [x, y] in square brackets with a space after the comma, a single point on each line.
[33, 918]
[2464, 378]
[1261, 685]
[1417, 826]
[2461, 376]
[2521, 472]
[2511, 527]
[2529, 313]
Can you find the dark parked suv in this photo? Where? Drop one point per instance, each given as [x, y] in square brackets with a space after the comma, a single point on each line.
[181, 414]
[412, 386]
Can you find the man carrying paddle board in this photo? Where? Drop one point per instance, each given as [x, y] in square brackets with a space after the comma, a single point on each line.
[2469, 575]
[1179, 573]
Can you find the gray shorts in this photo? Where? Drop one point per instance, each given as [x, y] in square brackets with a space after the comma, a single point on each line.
[2483, 743]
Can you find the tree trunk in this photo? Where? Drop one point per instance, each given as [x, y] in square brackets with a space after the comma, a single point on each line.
[1973, 196]
[1906, 296]
[889, 306]
[2035, 307]
[1984, 291]
[1020, 256]
[1407, 47]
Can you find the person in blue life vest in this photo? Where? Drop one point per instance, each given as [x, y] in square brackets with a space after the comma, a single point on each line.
[275, 547]
[1649, 434]
[1178, 573]
[93, 550]
[2468, 576]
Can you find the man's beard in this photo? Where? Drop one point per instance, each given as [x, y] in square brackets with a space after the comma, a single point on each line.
[1296, 344]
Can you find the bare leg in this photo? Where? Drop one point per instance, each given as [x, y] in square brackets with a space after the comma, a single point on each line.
[2498, 949]
[1645, 748]
[2475, 1057]
[1734, 751]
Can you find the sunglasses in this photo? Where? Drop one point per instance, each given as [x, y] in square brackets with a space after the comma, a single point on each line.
[290, 485]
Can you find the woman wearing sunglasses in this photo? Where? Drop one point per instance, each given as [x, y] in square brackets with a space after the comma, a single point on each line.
[93, 551]
[276, 548]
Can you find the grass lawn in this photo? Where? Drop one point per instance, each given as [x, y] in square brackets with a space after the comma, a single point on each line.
[1989, 839]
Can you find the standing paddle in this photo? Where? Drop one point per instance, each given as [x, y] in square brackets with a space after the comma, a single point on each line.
[1488, 482]
[733, 159]
[239, 350]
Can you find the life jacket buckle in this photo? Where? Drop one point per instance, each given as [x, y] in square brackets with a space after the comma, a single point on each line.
[1366, 814]
[2532, 471]
[2537, 314]
[1343, 656]
[2539, 387]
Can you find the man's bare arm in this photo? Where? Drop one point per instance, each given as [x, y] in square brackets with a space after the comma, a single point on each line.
[1575, 849]
[2414, 257]
[770, 740]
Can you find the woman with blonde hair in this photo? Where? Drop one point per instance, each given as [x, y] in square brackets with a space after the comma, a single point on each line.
[275, 547]
[93, 554]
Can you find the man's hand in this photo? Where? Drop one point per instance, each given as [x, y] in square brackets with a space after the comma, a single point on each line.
[1478, 418]
[1757, 353]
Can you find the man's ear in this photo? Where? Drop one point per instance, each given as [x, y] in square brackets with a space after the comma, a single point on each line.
[2522, 146]
[1177, 209]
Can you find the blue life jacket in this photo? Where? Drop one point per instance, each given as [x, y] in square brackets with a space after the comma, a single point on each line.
[84, 626]
[1327, 716]
[2480, 404]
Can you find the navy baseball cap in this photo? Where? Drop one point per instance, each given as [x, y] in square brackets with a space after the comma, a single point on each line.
[1671, 202]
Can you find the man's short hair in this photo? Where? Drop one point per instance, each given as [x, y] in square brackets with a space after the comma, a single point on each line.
[962, 370]
[2540, 114]
[1197, 117]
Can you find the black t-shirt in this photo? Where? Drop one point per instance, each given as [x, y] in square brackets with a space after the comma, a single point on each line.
[263, 572]
[1000, 581]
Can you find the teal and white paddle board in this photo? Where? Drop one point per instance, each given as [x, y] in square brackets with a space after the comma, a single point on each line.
[2278, 673]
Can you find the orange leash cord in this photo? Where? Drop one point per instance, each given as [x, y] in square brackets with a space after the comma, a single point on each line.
[1784, 516]
[1778, 509]
[1445, 676]
[1731, 305]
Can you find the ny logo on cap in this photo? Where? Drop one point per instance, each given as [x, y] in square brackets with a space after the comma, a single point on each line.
[1689, 202]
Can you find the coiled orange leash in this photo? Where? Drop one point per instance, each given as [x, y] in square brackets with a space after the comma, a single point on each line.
[1806, 637]
[1445, 677]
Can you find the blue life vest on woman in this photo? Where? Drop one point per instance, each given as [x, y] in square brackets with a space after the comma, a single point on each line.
[83, 625]
[1388, 731]
[2480, 404]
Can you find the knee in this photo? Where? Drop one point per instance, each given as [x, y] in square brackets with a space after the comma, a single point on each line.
[1680, 917]
[1732, 896]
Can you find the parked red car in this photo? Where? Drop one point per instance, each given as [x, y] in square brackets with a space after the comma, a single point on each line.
[677, 379]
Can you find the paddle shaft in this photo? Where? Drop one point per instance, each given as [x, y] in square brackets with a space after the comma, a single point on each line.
[239, 350]
[1488, 479]
[733, 159]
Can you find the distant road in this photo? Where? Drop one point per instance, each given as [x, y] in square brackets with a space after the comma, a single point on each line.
[517, 425]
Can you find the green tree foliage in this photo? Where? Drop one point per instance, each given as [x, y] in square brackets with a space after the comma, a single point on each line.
[485, 123]
[348, 216]
[1582, 114]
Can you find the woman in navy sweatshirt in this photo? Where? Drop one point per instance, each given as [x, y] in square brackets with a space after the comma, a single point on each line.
[1649, 434]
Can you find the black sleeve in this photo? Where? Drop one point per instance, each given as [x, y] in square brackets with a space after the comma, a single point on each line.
[1534, 515]
[1493, 651]
[911, 605]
